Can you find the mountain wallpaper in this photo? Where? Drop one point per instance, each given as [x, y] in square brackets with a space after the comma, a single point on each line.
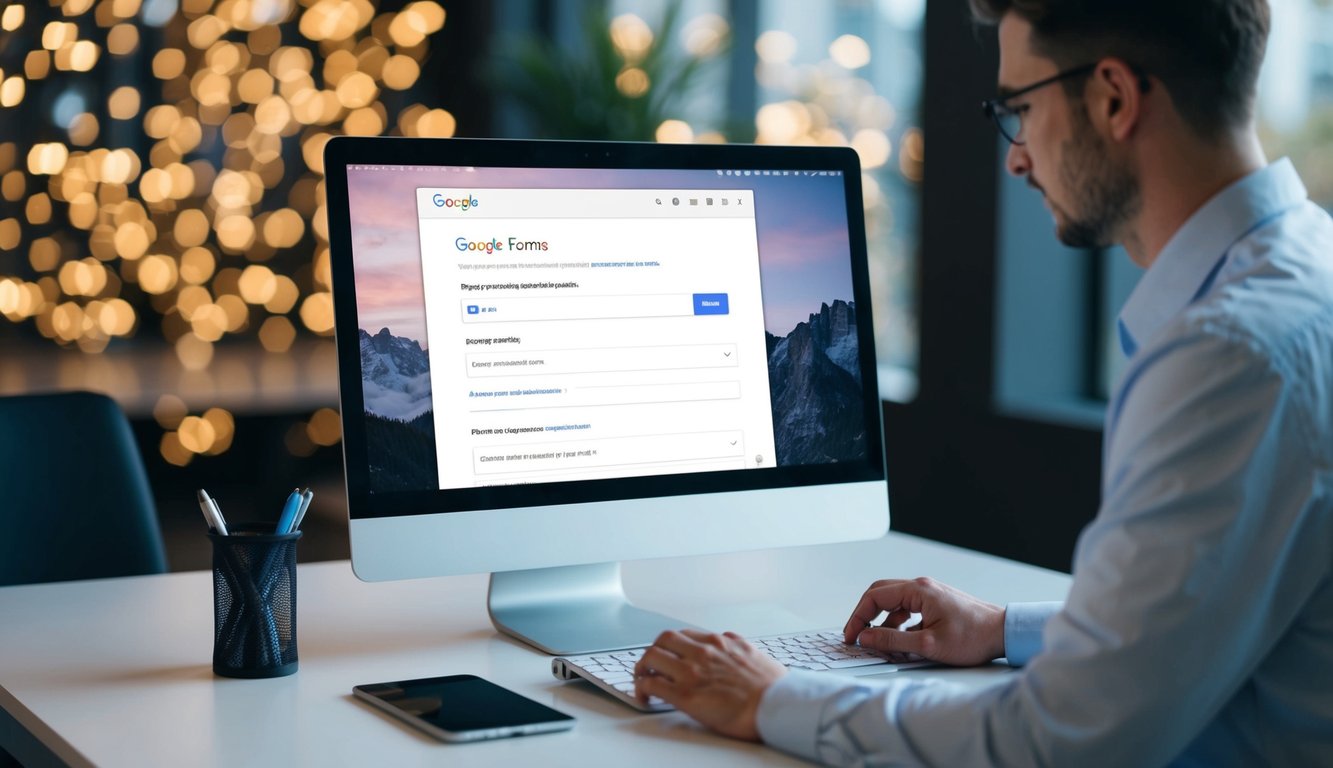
[815, 378]
[400, 424]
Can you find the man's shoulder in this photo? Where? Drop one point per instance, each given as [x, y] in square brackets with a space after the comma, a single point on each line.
[1273, 293]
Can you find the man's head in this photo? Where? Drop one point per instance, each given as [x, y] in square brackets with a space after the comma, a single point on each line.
[1180, 72]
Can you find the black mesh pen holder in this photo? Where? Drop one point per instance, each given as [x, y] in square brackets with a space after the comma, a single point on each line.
[254, 602]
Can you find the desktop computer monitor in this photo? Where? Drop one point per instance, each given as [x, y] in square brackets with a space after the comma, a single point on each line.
[557, 356]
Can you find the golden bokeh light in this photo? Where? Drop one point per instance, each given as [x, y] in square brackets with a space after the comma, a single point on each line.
[409, 28]
[338, 65]
[169, 411]
[437, 123]
[44, 254]
[122, 39]
[704, 35]
[196, 434]
[197, 264]
[363, 122]
[157, 273]
[400, 72]
[209, 322]
[12, 18]
[168, 63]
[324, 428]
[191, 228]
[68, 321]
[775, 47]
[123, 104]
[83, 56]
[173, 452]
[224, 429]
[283, 229]
[236, 232]
[633, 82]
[284, 298]
[193, 352]
[258, 284]
[83, 129]
[873, 146]
[674, 132]
[276, 334]
[238, 314]
[37, 64]
[59, 34]
[190, 299]
[357, 89]
[850, 52]
[86, 277]
[254, 86]
[13, 185]
[38, 209]
[317, 312]
[75, 7]
[10, 234]
[12, 90]
[631, 36]
[272, 115]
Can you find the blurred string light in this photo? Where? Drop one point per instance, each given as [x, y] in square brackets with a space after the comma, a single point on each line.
[830, 103]
[194, 200]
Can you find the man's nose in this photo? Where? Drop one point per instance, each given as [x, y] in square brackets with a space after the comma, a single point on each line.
[1017, 161]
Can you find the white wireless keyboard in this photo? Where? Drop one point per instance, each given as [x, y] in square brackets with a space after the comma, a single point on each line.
[613, 672]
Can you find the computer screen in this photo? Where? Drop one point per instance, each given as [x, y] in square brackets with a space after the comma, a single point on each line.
[541, 336]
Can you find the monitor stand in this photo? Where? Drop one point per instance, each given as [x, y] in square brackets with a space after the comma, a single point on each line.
[572, 610]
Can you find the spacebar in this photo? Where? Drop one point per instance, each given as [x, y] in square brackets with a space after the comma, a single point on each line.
[864, 662]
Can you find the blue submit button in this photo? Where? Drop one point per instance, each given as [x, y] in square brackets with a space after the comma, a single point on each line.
[710, 303]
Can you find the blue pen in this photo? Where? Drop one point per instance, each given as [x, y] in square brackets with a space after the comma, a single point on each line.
[306, 496]
[289, 510]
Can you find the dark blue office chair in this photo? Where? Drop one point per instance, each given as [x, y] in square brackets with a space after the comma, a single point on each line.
[74, 498]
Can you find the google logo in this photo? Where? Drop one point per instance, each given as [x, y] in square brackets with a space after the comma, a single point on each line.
[461, 203]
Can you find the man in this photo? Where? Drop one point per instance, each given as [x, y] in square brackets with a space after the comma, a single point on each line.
[1199, 627]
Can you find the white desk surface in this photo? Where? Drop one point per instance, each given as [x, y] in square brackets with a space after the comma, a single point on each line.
[118, 671]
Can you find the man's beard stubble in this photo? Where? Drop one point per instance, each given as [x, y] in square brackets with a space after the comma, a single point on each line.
[1105, 194]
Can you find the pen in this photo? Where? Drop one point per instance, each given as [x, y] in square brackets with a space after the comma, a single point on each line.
[212, 514]
[288, 516]
[305, 505]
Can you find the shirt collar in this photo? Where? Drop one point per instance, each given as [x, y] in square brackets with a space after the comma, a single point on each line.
[1186, 266]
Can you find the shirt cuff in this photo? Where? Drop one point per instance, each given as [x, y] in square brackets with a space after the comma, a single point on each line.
[1023, 624]
[789, 712]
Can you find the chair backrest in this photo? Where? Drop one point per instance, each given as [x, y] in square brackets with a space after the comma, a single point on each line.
[74, 497]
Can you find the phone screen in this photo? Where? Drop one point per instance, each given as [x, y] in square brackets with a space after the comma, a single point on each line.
[463, 707]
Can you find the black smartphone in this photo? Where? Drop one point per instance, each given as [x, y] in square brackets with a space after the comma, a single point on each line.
[463, 708]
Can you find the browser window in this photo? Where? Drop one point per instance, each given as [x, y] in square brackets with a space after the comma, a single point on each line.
[593, 333]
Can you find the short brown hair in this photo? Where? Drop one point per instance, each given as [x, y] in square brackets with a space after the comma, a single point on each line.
[1207, 53]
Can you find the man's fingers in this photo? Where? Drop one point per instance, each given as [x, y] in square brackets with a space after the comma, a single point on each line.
[654, 685]
[884, 596]
[898, 641]
[661, 662]
[680, 642]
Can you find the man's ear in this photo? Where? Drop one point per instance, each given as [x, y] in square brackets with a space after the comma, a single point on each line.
[1116, 98]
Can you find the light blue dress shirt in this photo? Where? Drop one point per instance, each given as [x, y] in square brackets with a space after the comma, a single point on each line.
[1199, 627]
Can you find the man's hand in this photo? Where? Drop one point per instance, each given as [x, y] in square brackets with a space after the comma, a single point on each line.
[716, 679]
[955, 627]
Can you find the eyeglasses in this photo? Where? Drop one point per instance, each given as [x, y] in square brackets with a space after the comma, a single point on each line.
[1010, 119]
